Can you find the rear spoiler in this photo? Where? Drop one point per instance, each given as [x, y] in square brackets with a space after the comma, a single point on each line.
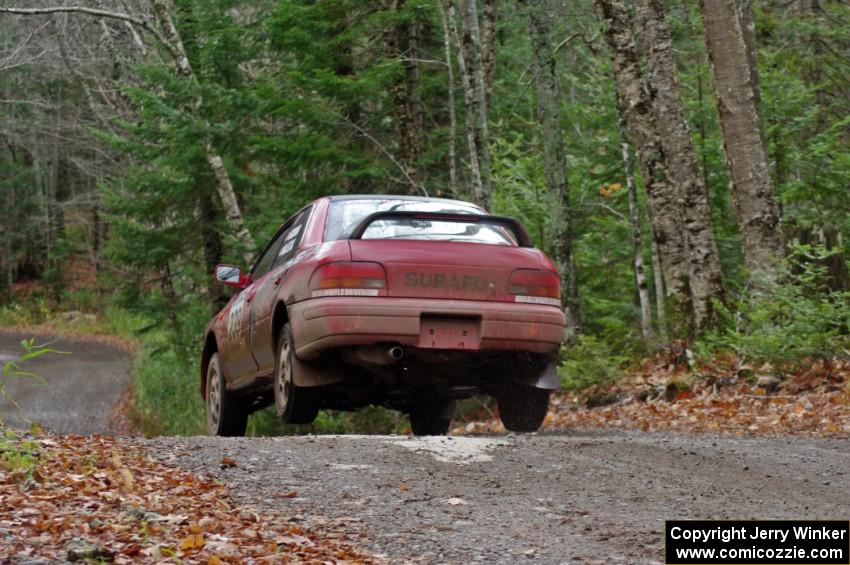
[515, 227]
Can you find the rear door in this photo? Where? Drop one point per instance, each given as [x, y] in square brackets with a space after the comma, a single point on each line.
[265, 299]
[239, 363]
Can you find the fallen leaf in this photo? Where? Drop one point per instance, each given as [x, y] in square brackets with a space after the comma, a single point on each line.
[227, 462]
[192, 541]
[127, 478]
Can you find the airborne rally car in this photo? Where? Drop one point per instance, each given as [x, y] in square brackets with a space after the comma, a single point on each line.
[410, 303]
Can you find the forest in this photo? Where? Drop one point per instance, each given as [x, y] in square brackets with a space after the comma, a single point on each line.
[685, 163]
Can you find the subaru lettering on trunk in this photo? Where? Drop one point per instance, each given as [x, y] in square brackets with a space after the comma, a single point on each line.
[443, 280]
[410, 303]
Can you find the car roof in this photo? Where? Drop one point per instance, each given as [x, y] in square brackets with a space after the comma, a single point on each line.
[397, 197]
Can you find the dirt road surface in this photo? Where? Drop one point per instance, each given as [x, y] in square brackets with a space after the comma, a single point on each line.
[79, 387]
[577, 497]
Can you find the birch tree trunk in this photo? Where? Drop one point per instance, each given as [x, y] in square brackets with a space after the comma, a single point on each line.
[658, 279]
[641, 283]
[224, 187]
[728, 36]
[554, 160]
[477, 97]
[477, 184]
[705, 275]
[665, 210]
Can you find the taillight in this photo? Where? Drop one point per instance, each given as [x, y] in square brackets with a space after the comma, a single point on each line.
[535, 287]
[349, 278]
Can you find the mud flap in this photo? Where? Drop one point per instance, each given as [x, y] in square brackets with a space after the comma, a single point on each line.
[315, 373]
[547, 379]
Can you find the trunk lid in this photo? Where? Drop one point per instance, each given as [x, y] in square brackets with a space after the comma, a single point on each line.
[448, 269]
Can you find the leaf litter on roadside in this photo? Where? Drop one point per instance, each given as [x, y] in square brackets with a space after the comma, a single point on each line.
[670, 392]
[96, 498]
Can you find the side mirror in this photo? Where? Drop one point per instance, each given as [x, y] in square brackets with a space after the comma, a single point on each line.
[230, 275]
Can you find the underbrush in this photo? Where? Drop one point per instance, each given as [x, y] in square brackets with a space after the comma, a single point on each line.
[369, 420]
[590, 361]
[18, 456]
[167, 397]
[784, 323]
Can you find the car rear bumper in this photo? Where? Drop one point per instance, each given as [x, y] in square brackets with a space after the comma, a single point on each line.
[324, 323]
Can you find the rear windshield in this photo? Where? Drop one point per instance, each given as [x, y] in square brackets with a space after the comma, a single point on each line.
[344, 215]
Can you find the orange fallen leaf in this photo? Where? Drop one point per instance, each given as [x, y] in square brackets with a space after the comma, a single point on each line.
[192, 541]
[228, 461]
[404, 487]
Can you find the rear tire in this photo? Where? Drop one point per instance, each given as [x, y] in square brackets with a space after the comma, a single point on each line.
[294, 404]
[432, 419]
[225, 415]
[523, 408]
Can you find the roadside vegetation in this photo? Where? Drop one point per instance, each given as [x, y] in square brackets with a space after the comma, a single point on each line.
[142, 148]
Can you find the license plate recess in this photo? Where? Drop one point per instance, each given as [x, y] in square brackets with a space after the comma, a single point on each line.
[449, 333]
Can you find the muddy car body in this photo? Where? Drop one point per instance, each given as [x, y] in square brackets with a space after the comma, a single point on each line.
[410, 303]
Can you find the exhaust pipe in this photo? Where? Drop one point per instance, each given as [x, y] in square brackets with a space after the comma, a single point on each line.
[396, 352]
[378, 355]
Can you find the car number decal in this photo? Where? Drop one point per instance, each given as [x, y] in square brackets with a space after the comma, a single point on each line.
[234, 318]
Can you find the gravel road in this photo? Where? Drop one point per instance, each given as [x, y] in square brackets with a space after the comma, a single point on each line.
[80, 389]
[578, 497]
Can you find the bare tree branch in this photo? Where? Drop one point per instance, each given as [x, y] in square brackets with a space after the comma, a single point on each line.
[96, 12]
[9, 62]
[28, 102]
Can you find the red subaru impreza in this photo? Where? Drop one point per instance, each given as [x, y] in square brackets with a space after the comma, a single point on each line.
[410, 303]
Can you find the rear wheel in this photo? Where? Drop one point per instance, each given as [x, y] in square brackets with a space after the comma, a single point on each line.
[294, 404]
[432, 418]
[225, 415]
[523, 408]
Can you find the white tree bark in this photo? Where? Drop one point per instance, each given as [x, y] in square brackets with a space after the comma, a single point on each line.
[641, 283]
[477, 104]
[469, 97]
